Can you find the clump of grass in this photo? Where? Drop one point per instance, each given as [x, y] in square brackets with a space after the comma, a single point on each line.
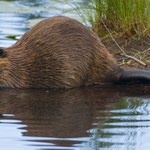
[124, 17]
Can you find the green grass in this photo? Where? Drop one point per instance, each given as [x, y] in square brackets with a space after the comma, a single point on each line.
[122, 17]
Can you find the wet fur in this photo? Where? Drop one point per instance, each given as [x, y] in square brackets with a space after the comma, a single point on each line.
[58, 52]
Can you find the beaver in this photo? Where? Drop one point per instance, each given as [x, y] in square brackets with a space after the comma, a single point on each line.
[60, 52]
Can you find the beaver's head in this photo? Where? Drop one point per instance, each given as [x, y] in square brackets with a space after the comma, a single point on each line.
[3, 60]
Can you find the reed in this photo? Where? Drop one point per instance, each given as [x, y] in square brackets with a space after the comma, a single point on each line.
[125, 17]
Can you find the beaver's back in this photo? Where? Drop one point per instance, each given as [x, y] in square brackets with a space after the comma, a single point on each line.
[61, 52]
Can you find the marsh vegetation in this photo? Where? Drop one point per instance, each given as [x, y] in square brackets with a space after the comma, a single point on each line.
[128, 22]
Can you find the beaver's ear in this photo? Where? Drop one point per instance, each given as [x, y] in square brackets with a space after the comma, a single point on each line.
[2, 53]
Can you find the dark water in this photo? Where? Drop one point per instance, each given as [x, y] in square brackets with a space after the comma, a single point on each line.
[106, 118]
[77, 119]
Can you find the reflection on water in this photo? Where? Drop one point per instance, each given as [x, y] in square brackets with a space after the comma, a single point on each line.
[78, 119]
[17, 16]
[86, 118]
[11, 24]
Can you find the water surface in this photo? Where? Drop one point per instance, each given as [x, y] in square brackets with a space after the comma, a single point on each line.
[105, 118]
[77, 119]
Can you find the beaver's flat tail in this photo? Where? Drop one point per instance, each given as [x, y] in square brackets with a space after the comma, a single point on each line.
[129, 76]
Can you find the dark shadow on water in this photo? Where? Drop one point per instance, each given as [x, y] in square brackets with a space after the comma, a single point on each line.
[63, 113]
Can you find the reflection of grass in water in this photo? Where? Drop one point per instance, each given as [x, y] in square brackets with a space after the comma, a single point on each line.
[119, 123]
[121, 16]
[13, 37]
[131, 103]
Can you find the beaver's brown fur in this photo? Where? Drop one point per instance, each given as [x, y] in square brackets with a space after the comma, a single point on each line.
[59, 52]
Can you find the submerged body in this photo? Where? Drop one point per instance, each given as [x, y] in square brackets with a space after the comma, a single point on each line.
[60, 52]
